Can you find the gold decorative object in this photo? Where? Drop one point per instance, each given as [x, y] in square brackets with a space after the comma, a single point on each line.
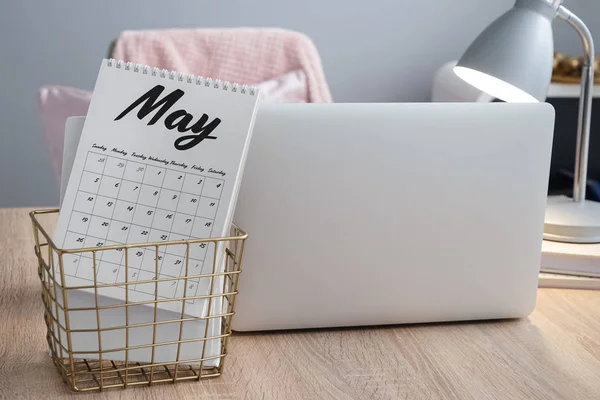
[87, 374]
[567, 69]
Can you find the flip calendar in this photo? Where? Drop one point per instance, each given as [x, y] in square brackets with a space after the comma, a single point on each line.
[160, 159]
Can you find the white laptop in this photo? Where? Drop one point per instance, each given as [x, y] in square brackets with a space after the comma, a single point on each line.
[373, 214]
[370, 214]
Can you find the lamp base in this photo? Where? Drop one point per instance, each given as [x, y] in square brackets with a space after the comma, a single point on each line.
[572, 222]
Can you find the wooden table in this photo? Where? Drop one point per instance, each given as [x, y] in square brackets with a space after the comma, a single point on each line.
[553, 354]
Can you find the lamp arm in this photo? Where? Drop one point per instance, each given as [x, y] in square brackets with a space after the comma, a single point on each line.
[585, 103]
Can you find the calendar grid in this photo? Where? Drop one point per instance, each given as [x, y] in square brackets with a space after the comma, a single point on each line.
[124, 194]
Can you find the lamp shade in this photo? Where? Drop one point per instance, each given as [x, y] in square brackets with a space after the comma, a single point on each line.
[512, 58]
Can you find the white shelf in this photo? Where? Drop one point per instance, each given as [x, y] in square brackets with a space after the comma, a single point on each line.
[569, 90]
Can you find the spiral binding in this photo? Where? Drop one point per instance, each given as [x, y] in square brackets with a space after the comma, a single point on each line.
[189, 78]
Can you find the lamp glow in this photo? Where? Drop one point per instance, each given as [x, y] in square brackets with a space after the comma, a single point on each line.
[493, 86]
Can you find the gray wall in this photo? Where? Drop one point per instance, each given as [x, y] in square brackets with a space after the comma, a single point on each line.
[377, 50]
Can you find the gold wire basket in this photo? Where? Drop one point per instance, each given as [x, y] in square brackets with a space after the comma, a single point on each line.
[165, 347]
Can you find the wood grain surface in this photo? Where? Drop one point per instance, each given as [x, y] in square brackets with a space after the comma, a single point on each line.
[553, 354]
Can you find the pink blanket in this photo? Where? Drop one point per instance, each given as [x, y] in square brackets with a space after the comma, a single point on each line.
[242, 55]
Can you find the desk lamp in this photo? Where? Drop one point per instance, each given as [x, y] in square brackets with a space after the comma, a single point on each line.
[512, 60]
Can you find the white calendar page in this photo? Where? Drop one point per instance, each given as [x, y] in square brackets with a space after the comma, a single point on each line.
[160, 159]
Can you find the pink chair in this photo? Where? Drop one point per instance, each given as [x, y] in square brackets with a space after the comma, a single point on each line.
[243, 55]
[284, 64]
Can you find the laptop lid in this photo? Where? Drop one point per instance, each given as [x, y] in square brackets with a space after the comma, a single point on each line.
[368, 214]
